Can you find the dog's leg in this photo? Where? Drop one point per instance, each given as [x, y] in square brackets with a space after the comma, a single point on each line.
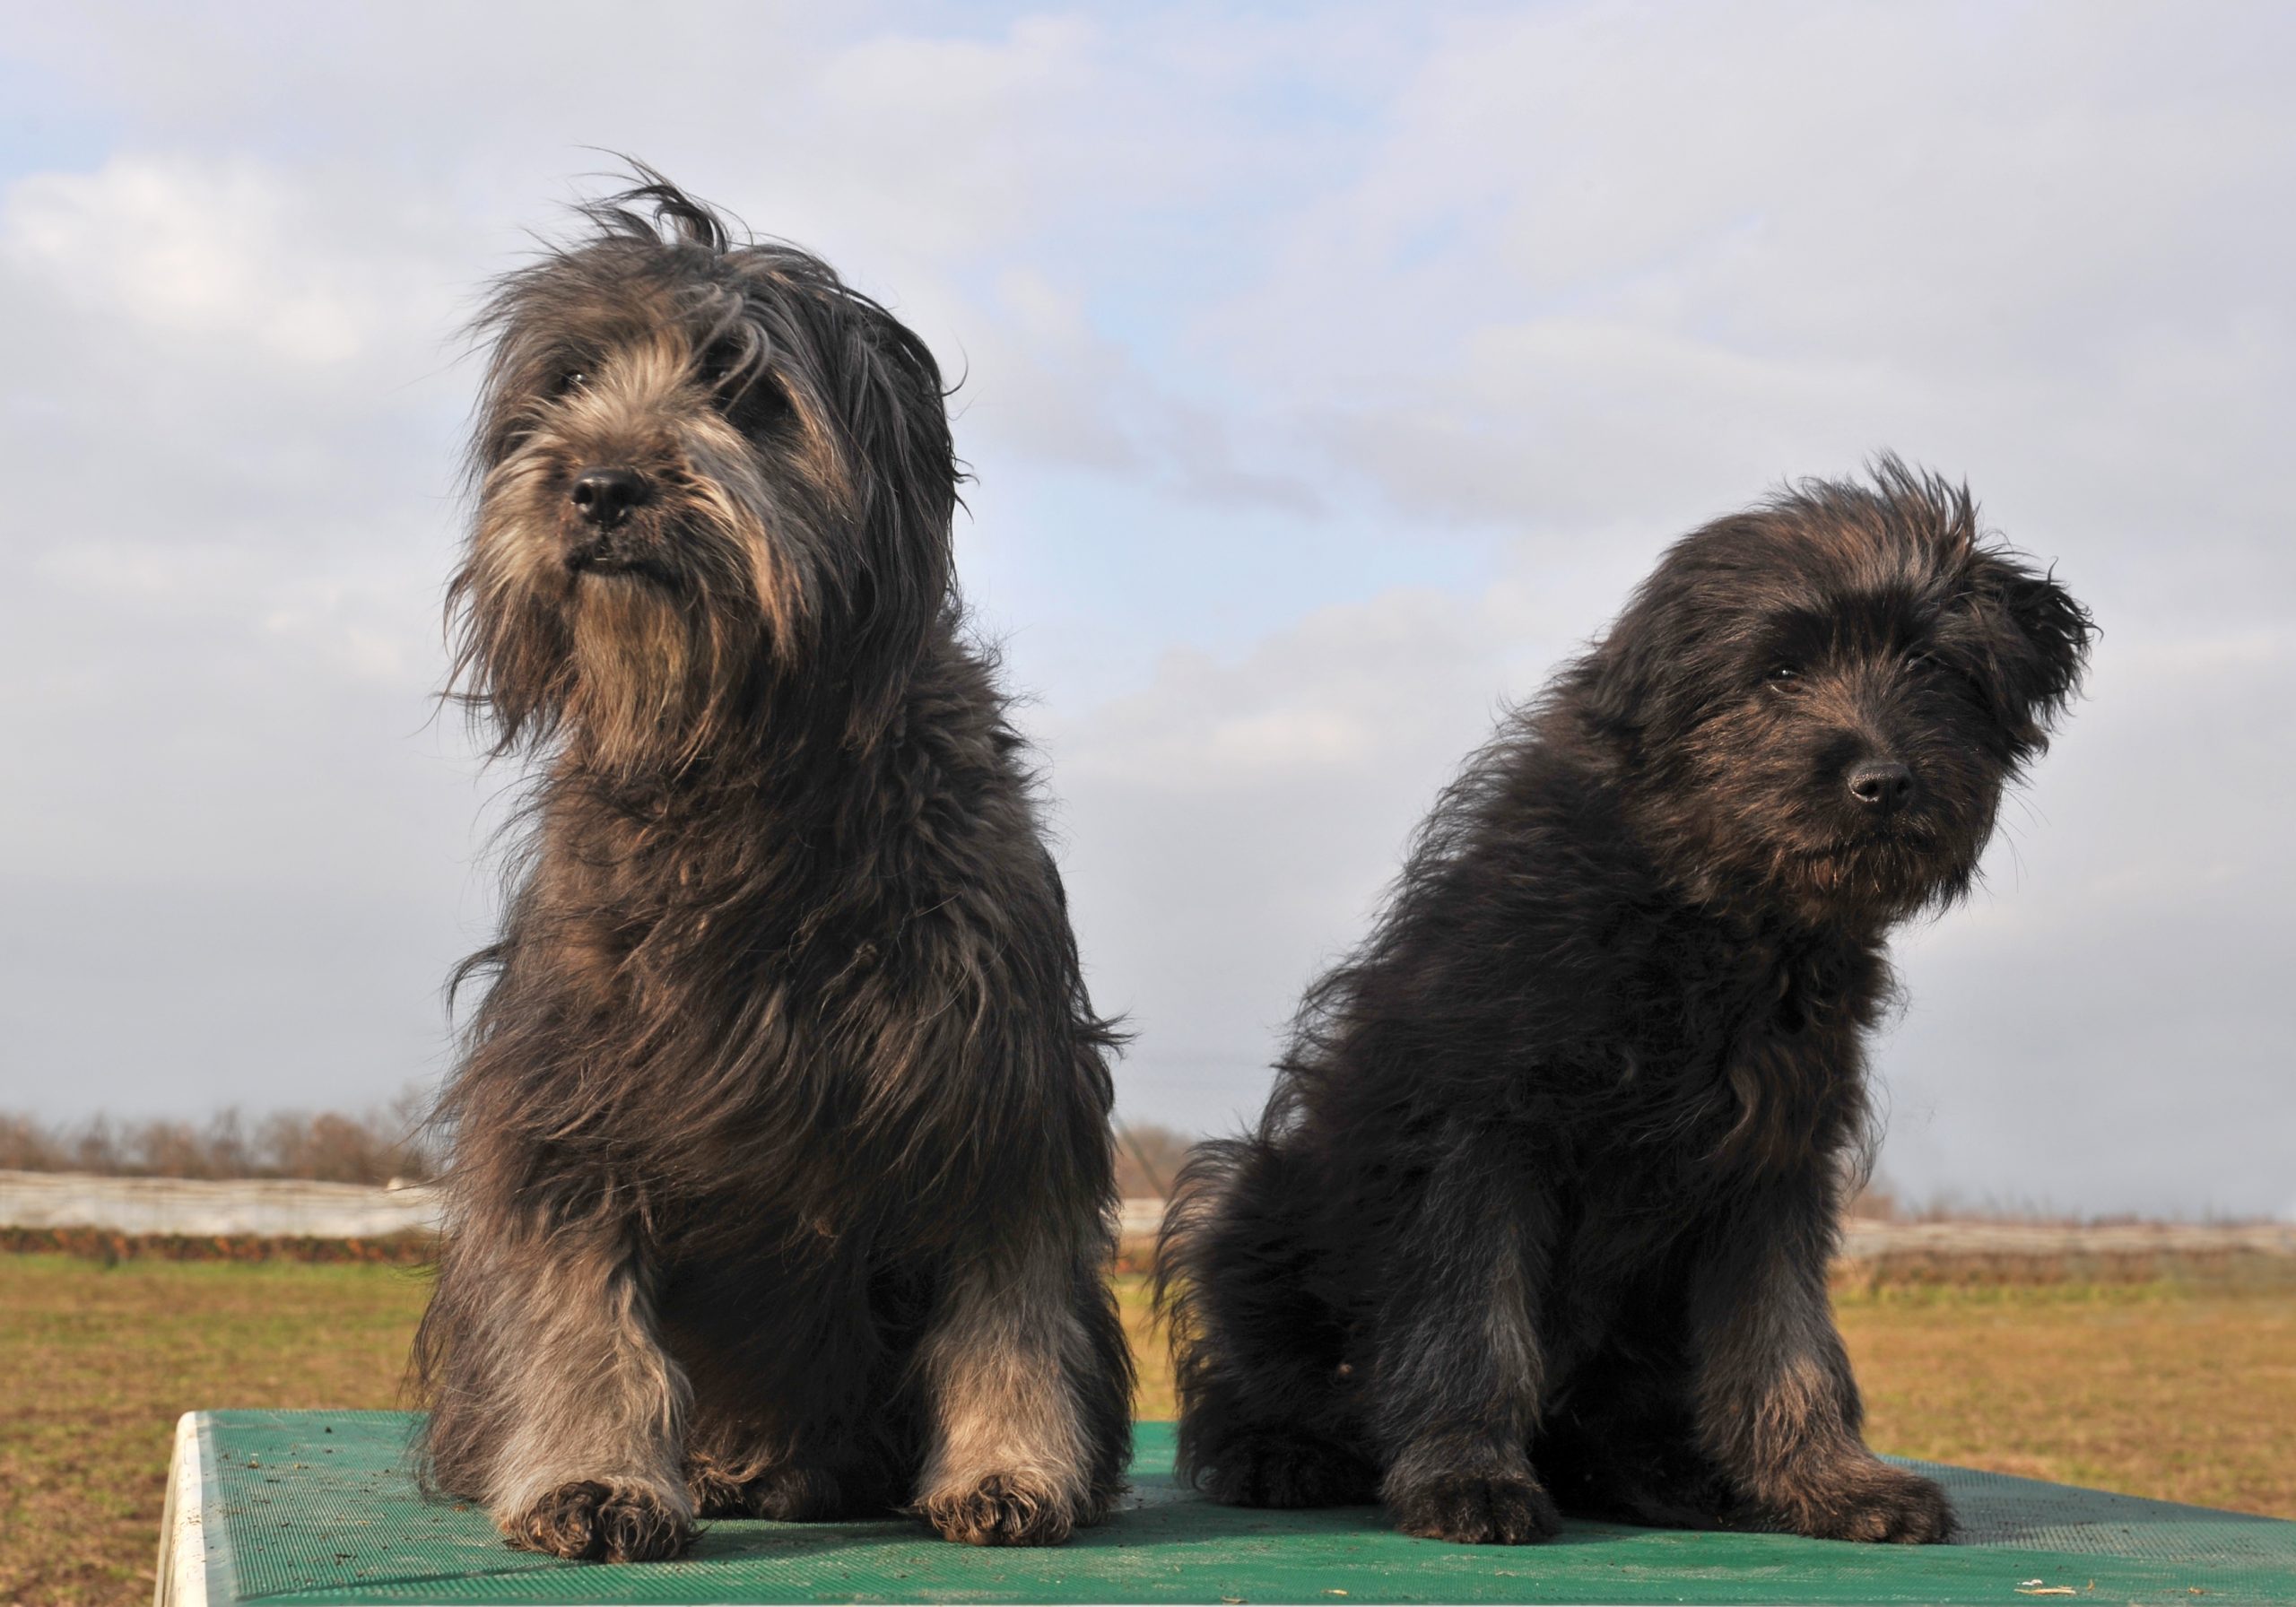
[1457, 1369]
[1007, 1369]
[796, 1398]
[1777, 1408]
[1257, 1361]
[587, 1411]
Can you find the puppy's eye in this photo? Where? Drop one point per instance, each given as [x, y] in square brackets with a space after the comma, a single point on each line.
[1783, 677]
[569, 381]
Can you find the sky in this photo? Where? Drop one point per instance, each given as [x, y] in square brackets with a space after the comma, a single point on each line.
[1329, 375]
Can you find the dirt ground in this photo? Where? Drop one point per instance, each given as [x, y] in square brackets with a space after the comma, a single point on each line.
[2163, 1390]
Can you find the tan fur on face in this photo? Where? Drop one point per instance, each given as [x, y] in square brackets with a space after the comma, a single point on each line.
[636, 675]
[649, 667]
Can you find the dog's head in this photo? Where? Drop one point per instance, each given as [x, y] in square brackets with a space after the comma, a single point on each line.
[715, 483]
[1823, 699]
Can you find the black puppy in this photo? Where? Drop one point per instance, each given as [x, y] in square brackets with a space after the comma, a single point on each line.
[1543, 1203]
[782, 1177]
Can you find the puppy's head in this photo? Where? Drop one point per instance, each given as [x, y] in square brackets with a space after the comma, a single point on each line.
[714, 483]
[1823, 699]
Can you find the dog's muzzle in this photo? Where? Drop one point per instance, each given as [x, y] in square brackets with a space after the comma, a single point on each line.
[601, 542]
[602, 497]
[605, 558]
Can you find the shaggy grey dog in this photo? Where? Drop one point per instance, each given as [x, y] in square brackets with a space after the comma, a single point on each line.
[1542, 1207]
[782, 1175]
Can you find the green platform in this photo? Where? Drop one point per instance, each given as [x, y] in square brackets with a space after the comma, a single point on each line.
[292, 1507]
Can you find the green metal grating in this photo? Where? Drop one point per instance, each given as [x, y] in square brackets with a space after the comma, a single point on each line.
[317, 1507]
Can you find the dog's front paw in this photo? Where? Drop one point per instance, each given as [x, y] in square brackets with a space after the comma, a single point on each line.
[1004, 1509]
[596, 1522]
[1476, 1509]
[1867, 1501]
[805, 1495]
[1285, 1470]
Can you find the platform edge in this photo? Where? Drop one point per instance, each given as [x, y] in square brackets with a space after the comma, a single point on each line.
[180, 1577]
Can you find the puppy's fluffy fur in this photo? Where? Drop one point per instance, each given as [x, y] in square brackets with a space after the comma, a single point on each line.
[782, 1175]
[1543, 1203]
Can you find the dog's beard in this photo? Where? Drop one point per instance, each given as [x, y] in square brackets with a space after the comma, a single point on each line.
[641, 652]
[1762, 848]
[1874, 880]
[645, 675]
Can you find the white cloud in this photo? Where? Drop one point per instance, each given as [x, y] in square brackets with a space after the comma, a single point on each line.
[223, 259]
[182, 251]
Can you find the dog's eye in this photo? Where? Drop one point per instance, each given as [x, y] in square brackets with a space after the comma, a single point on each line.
[1920, 661]
[1783, 678]
[569, 381]
[728, 366]
[754, 403]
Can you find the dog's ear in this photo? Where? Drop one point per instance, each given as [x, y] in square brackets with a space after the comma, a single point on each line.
[905, 475]
[2034, 638]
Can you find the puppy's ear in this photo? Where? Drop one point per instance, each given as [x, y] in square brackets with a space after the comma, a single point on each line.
[2036, 642]
[1660, 662]
[1620, 679]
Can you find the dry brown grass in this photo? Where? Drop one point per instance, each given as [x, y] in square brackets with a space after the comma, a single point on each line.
[2178, 1392]
[2184, 1393]
[100, 1362]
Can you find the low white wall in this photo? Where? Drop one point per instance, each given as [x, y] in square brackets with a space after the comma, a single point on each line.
[277, 1209]
[272, 1207]
[1865, 1240]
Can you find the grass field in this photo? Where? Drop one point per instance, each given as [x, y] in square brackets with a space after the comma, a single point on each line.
[2184, 1393]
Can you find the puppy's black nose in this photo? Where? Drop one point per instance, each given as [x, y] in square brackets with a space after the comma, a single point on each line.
[604, 497]
[1880, 785]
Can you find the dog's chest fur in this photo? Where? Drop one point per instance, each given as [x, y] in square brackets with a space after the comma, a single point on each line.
[1746, 1073]
[793, 985]
[1788, 1085]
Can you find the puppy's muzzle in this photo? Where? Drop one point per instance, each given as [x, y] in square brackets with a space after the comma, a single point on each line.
[1880, 787]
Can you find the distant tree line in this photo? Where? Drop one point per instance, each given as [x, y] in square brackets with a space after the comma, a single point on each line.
[374, 1146]
[327, 1146]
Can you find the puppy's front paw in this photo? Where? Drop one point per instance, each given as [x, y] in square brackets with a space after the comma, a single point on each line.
[1476, 1509]
[717, 1489]
[1871, 1501]
[1004, 1509]
[592, 1521]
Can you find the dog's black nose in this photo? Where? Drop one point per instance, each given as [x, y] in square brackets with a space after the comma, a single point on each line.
[604, 497]
[1879, 784]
